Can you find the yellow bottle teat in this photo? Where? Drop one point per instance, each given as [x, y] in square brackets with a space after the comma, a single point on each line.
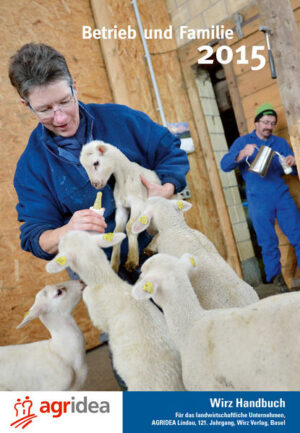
[98, 201]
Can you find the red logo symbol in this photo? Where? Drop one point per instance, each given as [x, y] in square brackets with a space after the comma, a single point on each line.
[23, 409]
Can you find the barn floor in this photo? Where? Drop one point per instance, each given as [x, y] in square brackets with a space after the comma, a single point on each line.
[101, 377]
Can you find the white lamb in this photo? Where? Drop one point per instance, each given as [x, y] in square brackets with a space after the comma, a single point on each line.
[143, 352]
[254, 348]
[101, 160]
[215, 282]
[55, 364]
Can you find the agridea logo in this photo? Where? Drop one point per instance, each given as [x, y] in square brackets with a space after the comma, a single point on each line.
[56, 408]
[23, 409]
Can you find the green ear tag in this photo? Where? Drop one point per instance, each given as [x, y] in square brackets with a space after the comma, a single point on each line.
[148, 287]
[62, 260]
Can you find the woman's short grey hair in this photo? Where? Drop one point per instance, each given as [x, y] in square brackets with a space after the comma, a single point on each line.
[36, 65]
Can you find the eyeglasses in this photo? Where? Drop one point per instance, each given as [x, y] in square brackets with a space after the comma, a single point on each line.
[268, 122]
[48, 113]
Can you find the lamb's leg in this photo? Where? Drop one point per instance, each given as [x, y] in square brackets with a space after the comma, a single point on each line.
[132, 261]
[151, 248]
[121, 220]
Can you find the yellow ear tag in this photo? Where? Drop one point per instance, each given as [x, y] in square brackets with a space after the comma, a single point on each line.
[143, 220]
[62, 260]
[192, 260]
[108, 237]
[26, 314]
[148, 287]
[180, 205]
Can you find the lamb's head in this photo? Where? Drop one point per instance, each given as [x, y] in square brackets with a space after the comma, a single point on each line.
[77, 250]
[96, 159]
[58, 299]
[161, 274]
[159, 210]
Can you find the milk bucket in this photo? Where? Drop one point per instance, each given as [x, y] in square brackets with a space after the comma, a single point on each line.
[262, 161]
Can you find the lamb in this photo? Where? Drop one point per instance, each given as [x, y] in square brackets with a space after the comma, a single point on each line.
[215, 282]
[253, 348]
[100, 161]
[143, 353]
[57, 364]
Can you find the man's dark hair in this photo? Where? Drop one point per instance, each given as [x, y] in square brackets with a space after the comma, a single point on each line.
[35, 65]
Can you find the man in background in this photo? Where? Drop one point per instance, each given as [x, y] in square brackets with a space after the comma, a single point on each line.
[268, 197]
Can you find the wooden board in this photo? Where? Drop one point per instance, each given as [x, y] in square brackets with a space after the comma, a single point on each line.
[56, 23]
[124, 58]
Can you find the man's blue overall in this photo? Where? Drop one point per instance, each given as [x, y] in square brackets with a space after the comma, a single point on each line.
[268, 199]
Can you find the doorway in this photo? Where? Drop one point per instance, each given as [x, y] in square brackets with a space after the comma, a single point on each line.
[223, 130]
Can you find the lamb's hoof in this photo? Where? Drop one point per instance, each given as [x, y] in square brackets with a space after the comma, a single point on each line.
[148, 252]
[131, 265]
[115, 266]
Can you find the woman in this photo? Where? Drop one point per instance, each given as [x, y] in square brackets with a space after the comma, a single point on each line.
[53, 188]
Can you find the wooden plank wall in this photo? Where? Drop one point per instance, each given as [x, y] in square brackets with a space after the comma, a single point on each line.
[114, 72]
[57, 23]
[252, 89]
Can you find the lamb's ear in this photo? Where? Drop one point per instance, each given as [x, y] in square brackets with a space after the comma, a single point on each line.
[181, 205]
[189, 262]
[34, 312]
[107, 240]
[142, 222]
[102, 148]
[144, 289]
[58, 264]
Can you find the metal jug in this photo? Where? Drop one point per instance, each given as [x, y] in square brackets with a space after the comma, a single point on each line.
[262, 161]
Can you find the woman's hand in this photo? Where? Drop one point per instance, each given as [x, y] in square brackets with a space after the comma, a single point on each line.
[154, 190]
[87, 219]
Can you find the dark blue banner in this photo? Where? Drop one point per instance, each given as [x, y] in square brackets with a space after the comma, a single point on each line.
[210, 411]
